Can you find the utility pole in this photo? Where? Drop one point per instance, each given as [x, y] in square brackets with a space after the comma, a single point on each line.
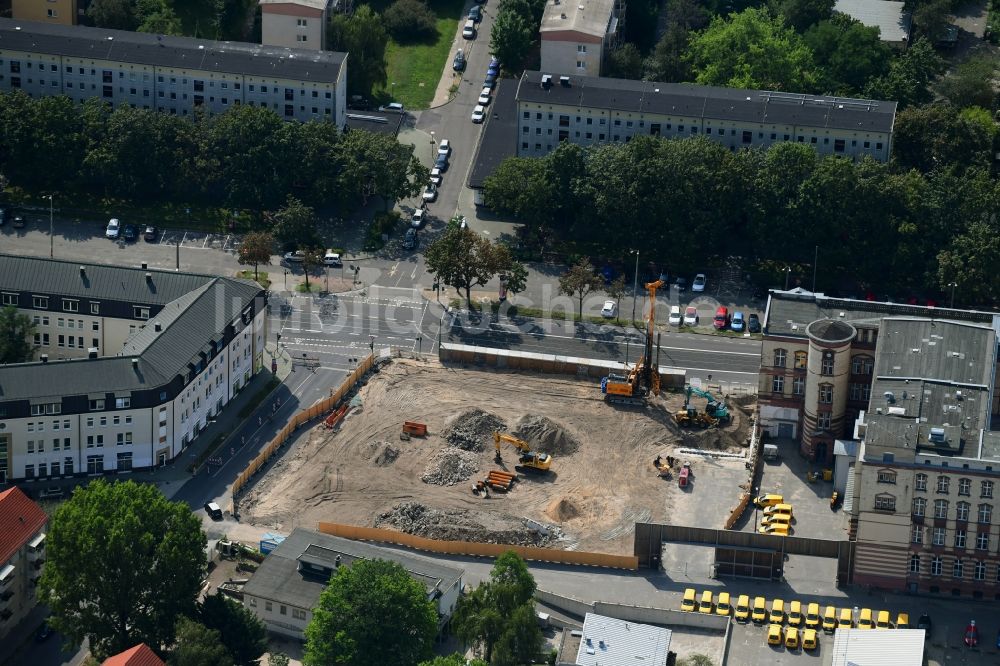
[52, 237]
[952, 285]
[815, 262]
[635, 285]
[177, 254]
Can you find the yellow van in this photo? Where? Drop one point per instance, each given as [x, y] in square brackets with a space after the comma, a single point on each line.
[809, 641]
[688, 603]
[795, 613]
[777, 615]
[768, 500]
[774, 636]
[882, 620]
[776, 519]
[829, 618]
[723, 607]
[792, 638]
[865, 619]
[742, 608]
[777, 529]
[706, 605]
[846, 620]
[759, 610]
[903, 621]
[812, 615]
[778, 508]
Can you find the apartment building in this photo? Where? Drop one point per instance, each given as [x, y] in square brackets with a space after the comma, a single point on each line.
[588, 110]
[818, 361]
[296, 24]
[63, 12]
[576, 35]
[283, 592]
[22, 554]
[924, 509]
[176, 75]
[131, 363]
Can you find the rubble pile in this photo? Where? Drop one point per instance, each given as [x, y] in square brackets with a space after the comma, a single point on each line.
[463, 525]
[450, 466]
[546, 435]
[386, 456]
[473, 429]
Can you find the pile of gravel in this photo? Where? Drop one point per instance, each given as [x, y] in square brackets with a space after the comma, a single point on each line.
[463, 525]
[546, 435]
[450, 466]
[473, 429]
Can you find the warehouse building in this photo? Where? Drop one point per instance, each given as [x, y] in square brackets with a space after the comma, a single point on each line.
[176, 75]
[130, 364]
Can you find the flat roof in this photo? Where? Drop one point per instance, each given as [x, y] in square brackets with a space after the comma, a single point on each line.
[379, 122]
[608, 641]
[889, 647]
[710, 103]
[240, 58]
[313, 4]
[590, 17]
[889, 17]
[499, 138]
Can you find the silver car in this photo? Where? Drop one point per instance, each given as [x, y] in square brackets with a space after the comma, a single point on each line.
[478, 113]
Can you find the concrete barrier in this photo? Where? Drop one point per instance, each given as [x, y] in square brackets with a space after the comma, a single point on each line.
[644, 614]
[505, 359]
[564, 603]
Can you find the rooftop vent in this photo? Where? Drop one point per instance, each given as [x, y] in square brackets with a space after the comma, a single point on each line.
[92, 352]
[564, 81]
[83, 271]
[135, 363]
[546, 80]
[889, 397]
[157, 326]
[936, 436]
[149, 277]
[45, 357]
[144, 265]
[562, 16]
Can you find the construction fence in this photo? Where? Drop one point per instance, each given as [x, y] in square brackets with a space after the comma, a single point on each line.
[632, 613]
[754, 471]
[318, 408]
[469, 548]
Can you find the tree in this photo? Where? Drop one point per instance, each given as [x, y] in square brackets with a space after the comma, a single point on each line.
[931, 17]
[197, 645]
[363, 35]
[372, 612]
[463, 259]
[379, 165]
[158, 17]
[242, 634]
[515, 275]
[312, 257]
[114, 14]
[579, 281]
[971, 83]
[410, 21]
[256, 249]
[522, 187]
[16, 331]
[936, 135]
[625, 62]
[850, 53]
[295, 224]
[454, 659]
[908, 76]
[696, 660]
[122, 563]
[752, 50]
[682, 18]
[277, 659]
[616, 290]
[800, 14]
[511, 38]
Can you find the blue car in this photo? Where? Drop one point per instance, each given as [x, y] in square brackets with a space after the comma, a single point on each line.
[738, 323]
[441, 162]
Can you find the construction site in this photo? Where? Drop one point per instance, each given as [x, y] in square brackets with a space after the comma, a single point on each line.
[495, 456]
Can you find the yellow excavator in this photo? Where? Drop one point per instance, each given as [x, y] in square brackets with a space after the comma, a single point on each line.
[528, 460]
[642, 379]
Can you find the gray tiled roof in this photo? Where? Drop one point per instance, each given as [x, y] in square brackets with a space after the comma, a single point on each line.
[278, 578]
[168, 51]
[711, 103]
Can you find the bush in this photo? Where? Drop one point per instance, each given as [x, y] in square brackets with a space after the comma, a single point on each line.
[384, 223]
[410, 21]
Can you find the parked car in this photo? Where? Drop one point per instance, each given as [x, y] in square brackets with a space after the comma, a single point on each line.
[332, 259]
[43, 632]
[829, 619]
[484, 97]
[296, 257]
[478, 113]
[149, 234]
[489, 82]
[753, 324]
[410, 239]
[738, 323]
[675, 318]
[458, 64]
[865, 619]
[792, 638]
[690, 316]
[392, 106]
[680, 284]
[774, 636]
[436, 177]
[609, 310]
[688, 603]
[359, 103]
[903, 621]
[18, 222]
[430, 193]
[469, 30]
[130, 233]
[723, 607]
[699, 282]
[213, 510]
[721, 319]
[742, 613]
[882, 620]
[706, 605]
[924, 622]
[441, 162]
[795, 613]
[419, 219]
[113, 229]
[444, 148]
[777, 614]
[768, 500]
[476, 13]
[759, 613]
[809, 640]
[494, 68]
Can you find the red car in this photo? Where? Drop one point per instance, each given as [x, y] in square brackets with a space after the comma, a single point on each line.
[971, 636]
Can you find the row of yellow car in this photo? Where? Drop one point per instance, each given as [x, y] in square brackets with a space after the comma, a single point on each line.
[776, 635]
[777, 519]
[758, 612]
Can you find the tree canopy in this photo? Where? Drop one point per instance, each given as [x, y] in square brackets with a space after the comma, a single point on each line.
[363, 35]
[16, 330]
[463, 259]
[122, 563]
[241, 633]
[197, 645]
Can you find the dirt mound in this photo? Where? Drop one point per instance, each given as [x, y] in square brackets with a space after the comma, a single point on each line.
[561, 510]
[546, 435]
[471, 429]
[462, 525]
[450, 466]
[386, 456]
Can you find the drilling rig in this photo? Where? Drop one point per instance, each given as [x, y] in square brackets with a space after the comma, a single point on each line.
[643, 378]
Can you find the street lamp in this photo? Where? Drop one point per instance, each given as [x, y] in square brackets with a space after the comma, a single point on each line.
[420, 346]
[371, 342]
[52, 238]
[286, 280]
[432, 137]
[635, 284]
[788, 271]
[952, 285]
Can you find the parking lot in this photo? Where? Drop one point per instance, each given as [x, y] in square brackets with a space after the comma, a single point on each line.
[748, 645]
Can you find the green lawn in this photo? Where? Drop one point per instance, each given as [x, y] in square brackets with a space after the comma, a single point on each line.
[416, 68]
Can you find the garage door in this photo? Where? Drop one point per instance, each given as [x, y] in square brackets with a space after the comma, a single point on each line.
[785, 430]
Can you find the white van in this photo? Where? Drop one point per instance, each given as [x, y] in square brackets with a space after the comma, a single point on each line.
[469, 31]
[675, 315]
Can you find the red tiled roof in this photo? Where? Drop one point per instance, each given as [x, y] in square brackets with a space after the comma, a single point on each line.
[140, 655]
[20, 518]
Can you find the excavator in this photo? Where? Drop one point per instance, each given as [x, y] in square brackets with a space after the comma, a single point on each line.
[528, 460]
[642, 379]
[715, 411]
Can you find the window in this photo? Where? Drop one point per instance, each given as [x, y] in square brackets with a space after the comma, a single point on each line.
[298, 614]
[938, 537]
[959, 538]
[962, 511]
[823, 420]
[40, 302]
[827, 365]
[301, 22]
[917, 534]
[986, 490]
[886, 476]
[10, 299]
[919, 506]
[267, 605]
[96, 405]
[920, 482]
[885, 503]
[936, 565]
[798, 386]
[283, 609]
[581, 48]
[124, 461]
[985, 514]
[826, 393]
[914, 563]
[779, 358]
[979, 573]
[801, 360]
[777, 384]
[838, 145]
[140, 312]
[964, 486]
[862, 365]
[942, 484]
[940, 508]
[982, 540]
[958, 568]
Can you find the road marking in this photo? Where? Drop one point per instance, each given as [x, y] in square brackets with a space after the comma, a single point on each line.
[395, 267]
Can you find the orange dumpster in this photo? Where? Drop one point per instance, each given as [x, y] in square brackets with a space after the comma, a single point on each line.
[415, 428]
